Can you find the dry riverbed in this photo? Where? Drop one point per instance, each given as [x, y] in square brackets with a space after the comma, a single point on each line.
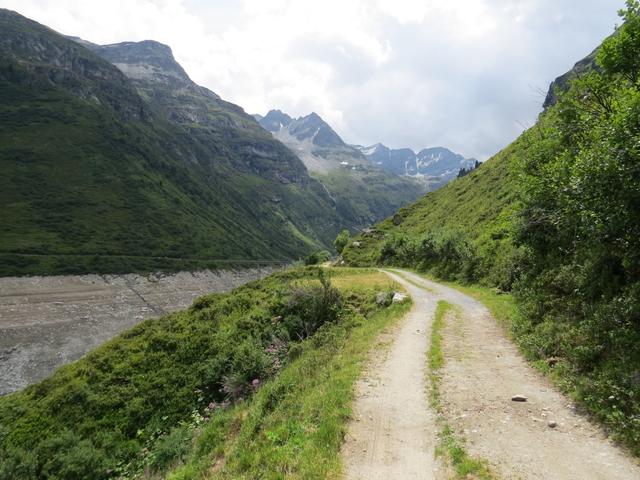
[46, 322]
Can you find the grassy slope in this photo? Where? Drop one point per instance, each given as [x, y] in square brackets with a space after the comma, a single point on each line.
[479, 206]
[94, 178]
[367, 196]
[138, 404]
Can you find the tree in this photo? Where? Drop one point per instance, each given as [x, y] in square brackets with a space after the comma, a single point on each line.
[341, 241]
[620, 53]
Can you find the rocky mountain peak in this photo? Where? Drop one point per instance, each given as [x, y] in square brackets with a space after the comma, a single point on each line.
[274, 120]
[314, 128]
[147, 60]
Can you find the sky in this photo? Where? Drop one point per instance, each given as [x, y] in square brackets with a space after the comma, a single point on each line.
[469, 75]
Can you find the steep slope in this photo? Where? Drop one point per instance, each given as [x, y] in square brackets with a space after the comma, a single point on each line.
[104, 172]
[184, 387]
[561, 84]
[313, 141]
[476, 208]
[554, 217]
[436, 166]
[363, 194]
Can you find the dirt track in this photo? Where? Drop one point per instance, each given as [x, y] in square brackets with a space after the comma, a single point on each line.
[46, 322]
[482, 372]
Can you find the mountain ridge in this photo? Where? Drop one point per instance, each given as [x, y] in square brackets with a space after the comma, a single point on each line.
[108, 173]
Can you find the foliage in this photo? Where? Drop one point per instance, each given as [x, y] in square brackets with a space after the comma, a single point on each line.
[317, 257]
[341, 241]
[131, 391]
[580, 223]
[166, 390]
[470, 218]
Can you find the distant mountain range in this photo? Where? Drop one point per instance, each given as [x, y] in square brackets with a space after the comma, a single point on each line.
[363, 193]
[322, 150]
[438, 164]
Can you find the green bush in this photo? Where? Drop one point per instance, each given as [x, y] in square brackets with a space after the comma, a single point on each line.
[317, 257]
[341, 241]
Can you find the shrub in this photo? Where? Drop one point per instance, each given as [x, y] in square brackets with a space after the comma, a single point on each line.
[341, 241]
[317, 257]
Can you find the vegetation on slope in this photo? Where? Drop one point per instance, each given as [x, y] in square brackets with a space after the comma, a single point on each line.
[367, 195]
[261, 377]
[99, 175]
[462, 230]
[555, 217]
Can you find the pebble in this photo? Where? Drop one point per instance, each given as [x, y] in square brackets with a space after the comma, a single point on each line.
[518, 398]
[552, 424]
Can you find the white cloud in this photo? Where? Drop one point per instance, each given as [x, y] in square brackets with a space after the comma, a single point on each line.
[405, 72]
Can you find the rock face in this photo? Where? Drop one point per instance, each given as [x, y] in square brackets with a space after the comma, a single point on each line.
[438, 164]
[313, 141]
[561, 83]
[147, 60]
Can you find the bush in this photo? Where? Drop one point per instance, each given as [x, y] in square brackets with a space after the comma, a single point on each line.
[171, 449]
[445, 253]
[341, 241]
[318, 257]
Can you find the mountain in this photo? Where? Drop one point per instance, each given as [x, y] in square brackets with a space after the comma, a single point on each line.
[555, 218]
[313, 141]
[363, 193]
[112, 159]
[439, 165]
[562, 83]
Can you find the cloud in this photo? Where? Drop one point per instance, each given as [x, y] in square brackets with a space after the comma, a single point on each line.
[410, 73]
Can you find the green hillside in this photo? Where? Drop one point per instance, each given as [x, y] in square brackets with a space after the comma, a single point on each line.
[101, 174]
[264, 375]
[555, 218]
[473, 213]
[367, 195]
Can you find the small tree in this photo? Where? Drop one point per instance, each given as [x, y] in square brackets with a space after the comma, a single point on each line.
[341, 240]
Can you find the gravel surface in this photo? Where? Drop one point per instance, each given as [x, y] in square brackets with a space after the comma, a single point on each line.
[509, 413]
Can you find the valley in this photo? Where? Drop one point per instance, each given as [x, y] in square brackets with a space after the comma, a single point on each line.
[192, 292]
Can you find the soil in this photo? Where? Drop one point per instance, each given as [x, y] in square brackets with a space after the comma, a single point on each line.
[392, 433]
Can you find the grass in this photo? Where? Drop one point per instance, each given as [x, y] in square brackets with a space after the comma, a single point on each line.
[294, 426]
[477, 207]
[450, 445]
[368, 195]
[284, 351]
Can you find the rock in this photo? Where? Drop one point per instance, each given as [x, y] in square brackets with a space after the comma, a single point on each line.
[357, 244]
[382, 298]
[518, 398]
[552, 424]
[397, 219]
[399, 297]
